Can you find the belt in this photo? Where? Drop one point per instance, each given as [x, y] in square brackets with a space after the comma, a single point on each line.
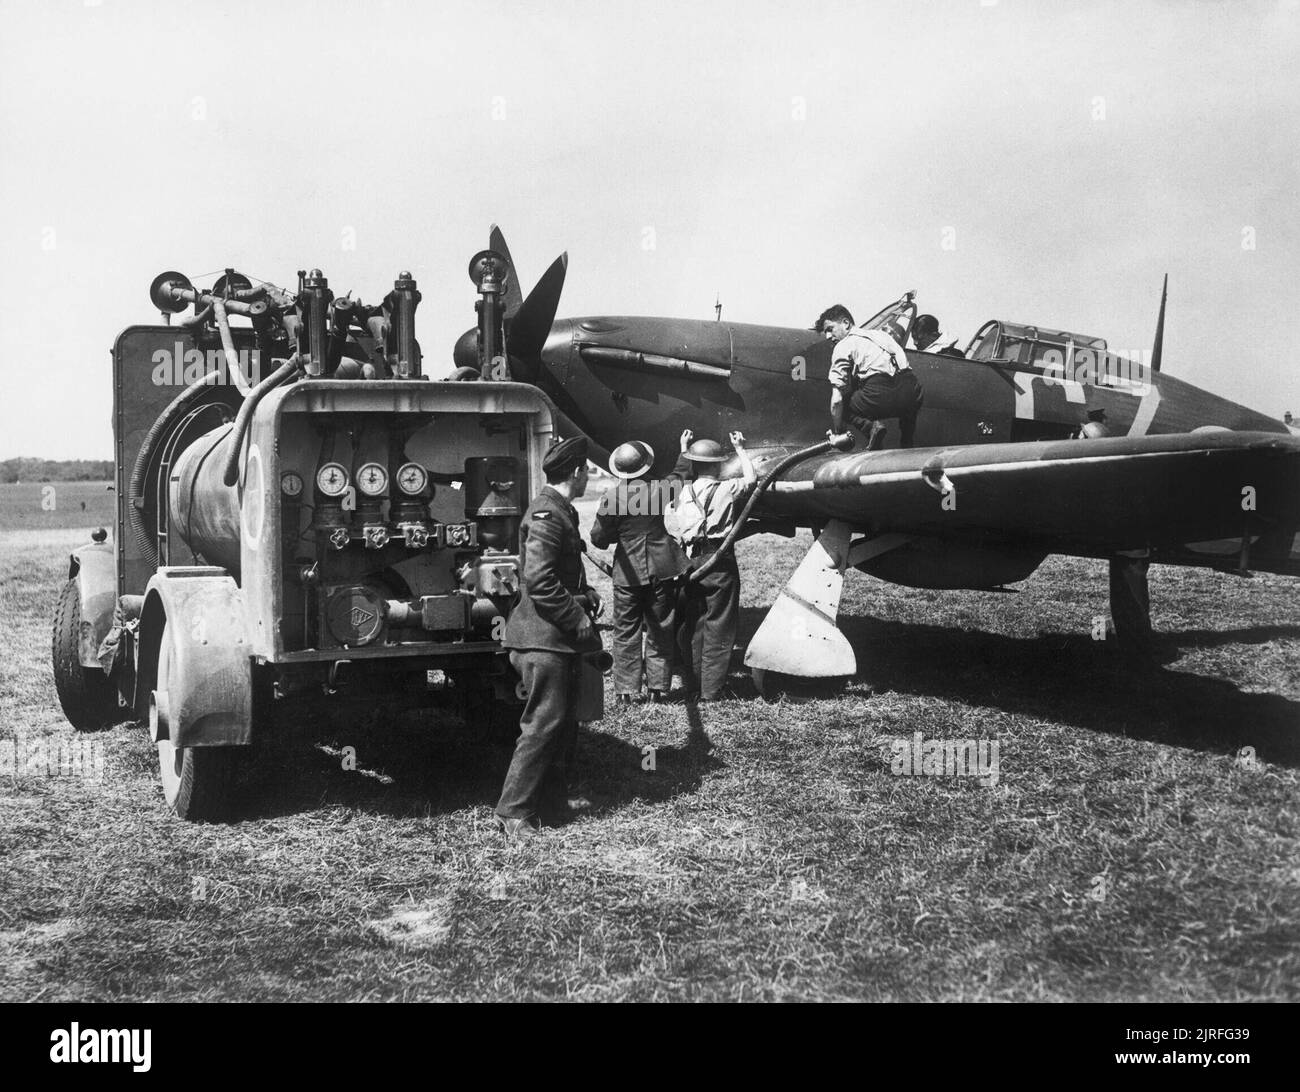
[708, 546]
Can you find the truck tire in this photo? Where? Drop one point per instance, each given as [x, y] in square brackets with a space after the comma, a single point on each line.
[198, 782]
[87, 695]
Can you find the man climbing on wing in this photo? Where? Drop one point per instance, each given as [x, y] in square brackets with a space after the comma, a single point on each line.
[871, 368]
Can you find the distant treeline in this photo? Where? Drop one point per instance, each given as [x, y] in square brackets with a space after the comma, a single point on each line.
[48, 470]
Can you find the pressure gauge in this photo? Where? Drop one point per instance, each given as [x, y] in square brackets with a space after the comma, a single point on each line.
[332, 479]
[372, 479]
[412, 478]
[291, 484]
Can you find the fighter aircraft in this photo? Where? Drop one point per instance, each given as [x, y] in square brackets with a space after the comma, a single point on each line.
[1036, 442]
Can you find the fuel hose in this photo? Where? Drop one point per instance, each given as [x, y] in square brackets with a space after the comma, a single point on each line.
[843, 442]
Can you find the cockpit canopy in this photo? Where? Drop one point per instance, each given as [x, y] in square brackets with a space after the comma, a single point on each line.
[1027, 345]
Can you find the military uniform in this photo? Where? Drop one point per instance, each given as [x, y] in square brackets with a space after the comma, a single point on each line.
[542, 635]
[647, 565]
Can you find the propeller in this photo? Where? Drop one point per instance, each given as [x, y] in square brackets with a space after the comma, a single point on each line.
[528, 321]
[514, 297]
[532, 322]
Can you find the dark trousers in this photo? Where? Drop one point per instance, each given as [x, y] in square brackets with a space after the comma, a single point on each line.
[708, 634]
[644, 611]
[881, 396]
[544, 754]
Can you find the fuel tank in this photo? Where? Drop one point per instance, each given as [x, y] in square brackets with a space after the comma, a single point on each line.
[202, 510]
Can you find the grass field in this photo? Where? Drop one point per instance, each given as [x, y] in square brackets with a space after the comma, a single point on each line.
[1131, 849]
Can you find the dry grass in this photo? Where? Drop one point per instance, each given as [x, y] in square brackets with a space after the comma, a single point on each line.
[778, 860]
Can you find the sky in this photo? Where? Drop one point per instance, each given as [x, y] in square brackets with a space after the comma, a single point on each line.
[1042, 163]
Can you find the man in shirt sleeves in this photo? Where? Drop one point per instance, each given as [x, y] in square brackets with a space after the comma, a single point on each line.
[869, 371]
[706, 509]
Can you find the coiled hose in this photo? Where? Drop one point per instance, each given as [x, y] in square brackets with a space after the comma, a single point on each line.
[161, 428]
[178, 406]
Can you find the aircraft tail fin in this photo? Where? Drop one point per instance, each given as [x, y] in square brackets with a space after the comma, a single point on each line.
[1158, 349]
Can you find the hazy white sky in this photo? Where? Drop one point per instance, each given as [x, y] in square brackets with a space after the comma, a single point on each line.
[785, 156]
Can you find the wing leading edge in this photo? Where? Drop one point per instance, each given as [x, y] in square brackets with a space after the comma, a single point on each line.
[1082, 497]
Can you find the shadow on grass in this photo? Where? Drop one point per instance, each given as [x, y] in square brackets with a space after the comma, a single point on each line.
[1213, 638]
[1073, 680]
[428, 761]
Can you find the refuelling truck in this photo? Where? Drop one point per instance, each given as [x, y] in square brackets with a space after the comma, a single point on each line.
[298, 508]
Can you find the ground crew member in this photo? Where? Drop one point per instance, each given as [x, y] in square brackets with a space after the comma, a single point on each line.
[548, 629]
[870, 368]
[647, 565]
[706, 509]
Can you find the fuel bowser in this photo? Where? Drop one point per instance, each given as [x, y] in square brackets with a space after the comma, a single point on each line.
[299, 508]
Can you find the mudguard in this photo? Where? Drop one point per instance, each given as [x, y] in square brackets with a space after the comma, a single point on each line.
[94, 569]
[207, 701]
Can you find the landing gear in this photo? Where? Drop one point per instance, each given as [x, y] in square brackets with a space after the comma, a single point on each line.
[197, 781]
[798, 635]
[1130, 602]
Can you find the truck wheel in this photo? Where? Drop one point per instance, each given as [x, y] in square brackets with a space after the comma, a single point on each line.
[88, 697]
[198, 782]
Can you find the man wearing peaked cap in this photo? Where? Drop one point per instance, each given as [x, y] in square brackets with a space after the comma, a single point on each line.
[564, 456]
[547, 632]
[647, 565]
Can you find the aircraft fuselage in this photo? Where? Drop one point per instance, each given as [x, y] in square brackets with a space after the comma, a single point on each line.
[620, 377]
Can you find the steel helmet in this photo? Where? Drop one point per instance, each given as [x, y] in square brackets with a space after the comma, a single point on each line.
[631, 460]
[706, 451]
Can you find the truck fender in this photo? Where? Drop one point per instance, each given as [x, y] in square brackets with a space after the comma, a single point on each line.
[94, 569]
[207, 699]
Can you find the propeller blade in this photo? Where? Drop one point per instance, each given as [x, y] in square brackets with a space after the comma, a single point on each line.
[514, 296]
[531, 324]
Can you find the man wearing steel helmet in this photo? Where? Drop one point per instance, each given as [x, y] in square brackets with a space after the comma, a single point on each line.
[706, 509]
[647, 565]
[869, 370]
[547, 632]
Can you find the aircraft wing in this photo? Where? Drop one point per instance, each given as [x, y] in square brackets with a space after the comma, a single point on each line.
[1082, 497]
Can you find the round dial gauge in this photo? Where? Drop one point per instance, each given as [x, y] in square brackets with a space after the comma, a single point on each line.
[291, 484]
[332, 479]
[412, 478]
[372, 479]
